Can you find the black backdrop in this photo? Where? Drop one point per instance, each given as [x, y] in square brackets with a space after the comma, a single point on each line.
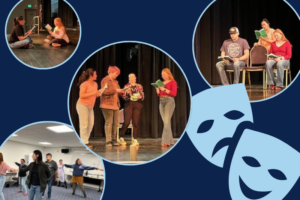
[247, 15]
[147, 66]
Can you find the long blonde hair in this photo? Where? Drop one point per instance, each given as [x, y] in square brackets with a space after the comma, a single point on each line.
[167, 71]
[61, 24]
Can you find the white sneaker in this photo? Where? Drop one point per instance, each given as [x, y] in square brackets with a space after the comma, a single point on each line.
[135, 142]
[122, 141]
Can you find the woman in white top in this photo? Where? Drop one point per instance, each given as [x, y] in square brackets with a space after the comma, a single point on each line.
[59, 35]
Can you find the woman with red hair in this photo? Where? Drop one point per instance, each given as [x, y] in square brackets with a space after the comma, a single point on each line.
[166, 96]
[283, 49]
[110, 104]
[59, 35]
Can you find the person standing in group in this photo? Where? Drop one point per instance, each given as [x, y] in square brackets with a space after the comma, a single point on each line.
[39, 173]
[77, 177]
[17, 37]
[61, 173]
[3, 168]
[22, 177]
[59, 37]
[283, 49]
[266, 42]
[110, 104]
[238, 50]
[134, 97]
[166, 96]
[53, 170]
[85, 104]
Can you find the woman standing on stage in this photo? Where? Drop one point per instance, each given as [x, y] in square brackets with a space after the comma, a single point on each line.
[283, 49]
[133, 96]
[110, 104]
[3, 168]
[77, 177]
[266, 42]
[85, 104]
[166, 96]
[61, 174]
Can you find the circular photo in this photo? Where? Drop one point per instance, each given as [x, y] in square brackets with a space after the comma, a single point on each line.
[234, 44]
[42, 34]
[129, 102]
[47, 161]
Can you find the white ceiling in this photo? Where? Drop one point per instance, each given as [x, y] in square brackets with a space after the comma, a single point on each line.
[38, 133]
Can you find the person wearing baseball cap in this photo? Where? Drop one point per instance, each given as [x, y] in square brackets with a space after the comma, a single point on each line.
[17, 37]
[110, 104]
[238, 50]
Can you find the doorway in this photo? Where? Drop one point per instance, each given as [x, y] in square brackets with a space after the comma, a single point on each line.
[29, 14]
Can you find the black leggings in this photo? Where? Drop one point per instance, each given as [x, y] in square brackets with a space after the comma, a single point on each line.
[133, 111]
[62, 42]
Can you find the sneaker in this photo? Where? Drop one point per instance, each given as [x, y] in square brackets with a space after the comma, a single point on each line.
[25, 194]
[135, 142]
[114, 143]
[108, 144]
[19, 191]
[122, 141]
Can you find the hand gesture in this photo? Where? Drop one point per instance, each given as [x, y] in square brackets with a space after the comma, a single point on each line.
[50, 32]
[161, 88]
[29, 32]
[100, 169]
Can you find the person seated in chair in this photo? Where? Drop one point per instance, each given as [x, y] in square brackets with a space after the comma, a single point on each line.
[58, 37]
[238, 50]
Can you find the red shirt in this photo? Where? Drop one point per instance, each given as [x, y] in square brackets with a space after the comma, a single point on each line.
[172, 86]
[284, 50]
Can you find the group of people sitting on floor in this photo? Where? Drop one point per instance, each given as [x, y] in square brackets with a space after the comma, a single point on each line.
[19, 39]
[238, 50]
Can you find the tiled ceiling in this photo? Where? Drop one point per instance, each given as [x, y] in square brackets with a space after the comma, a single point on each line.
[39, 133]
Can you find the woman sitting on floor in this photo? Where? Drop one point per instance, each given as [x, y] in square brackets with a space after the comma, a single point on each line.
[59, 37]
[17, 37]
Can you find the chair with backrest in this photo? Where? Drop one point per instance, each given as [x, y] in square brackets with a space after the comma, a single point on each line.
[121, 122]
[230, 70]
[287, 72]
[258, 59]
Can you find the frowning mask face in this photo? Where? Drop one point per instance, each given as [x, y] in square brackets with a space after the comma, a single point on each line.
[214, 118]
[263, 168]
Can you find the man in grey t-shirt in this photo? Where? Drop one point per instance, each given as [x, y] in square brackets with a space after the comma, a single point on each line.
[238, 50]
[53, 170]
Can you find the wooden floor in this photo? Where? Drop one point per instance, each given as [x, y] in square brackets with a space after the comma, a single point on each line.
[257, 92]
[43, 55]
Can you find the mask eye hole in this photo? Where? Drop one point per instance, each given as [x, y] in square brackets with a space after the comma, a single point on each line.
[234, 115]
[205, 126]
[252, 162]
[277, 174]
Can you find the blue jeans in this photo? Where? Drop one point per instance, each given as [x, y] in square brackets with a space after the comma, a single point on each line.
[280, 65]
[166, 109]
[49, 182]
[2, 182]
[22, 182]
[19, 44]
[35, 193]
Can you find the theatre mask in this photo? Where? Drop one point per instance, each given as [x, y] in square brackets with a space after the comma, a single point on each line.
[214, 118]
[262, 167]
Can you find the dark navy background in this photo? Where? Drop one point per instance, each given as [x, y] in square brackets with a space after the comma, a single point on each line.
[29, 95]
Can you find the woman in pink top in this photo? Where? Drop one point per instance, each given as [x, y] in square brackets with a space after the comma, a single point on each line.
[3, 168]
[265, 24]
[283, 49]
[167, 105]
[85, 105]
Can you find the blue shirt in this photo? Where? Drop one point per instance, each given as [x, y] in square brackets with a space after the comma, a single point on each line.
[78, 169]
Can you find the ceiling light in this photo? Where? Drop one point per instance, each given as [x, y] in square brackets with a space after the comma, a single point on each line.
[14, 135]
[45, 143]
[60, 129]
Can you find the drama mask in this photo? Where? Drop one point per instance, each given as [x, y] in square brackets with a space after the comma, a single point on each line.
[214, 118]
[262, 167]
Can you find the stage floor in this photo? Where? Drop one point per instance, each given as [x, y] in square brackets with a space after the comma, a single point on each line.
[148, 149]
[257, 92]
[43, 55]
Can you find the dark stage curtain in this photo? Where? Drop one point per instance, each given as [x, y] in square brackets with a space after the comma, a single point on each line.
[67, 14]
[46, 6]
[147, 66]
[247, 15]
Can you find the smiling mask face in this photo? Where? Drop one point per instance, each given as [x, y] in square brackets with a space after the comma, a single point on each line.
[263, 168]
[214, 118]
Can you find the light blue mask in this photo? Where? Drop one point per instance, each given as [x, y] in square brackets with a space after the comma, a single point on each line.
[215, 115]
[262, 167]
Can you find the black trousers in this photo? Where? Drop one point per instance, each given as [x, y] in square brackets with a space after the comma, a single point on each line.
[132, 111]
[62, 42]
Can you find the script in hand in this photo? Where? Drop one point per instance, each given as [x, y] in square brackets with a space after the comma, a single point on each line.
[261, 33]
[272, 55]
[158, 83]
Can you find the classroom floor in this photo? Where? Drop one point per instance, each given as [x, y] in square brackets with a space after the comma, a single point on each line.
[148, 149]
[57, 193]
[256, 92]
[43, 55]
